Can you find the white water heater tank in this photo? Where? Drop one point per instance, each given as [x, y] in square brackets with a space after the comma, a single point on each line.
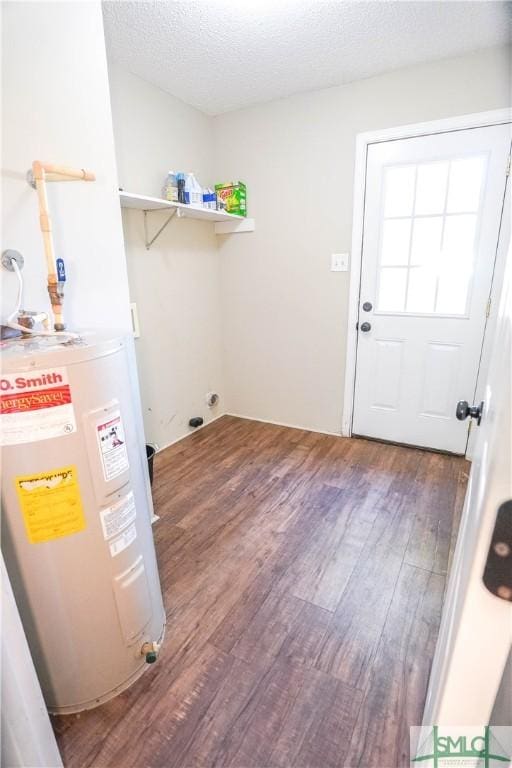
[76, 531]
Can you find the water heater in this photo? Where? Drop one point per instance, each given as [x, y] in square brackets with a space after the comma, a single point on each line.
[76, 530]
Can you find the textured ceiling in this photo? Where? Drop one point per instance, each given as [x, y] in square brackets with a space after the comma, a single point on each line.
[219, 56]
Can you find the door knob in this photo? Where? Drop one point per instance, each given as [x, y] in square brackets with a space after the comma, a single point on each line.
[464, 409]
[498, 571]
[365, 327]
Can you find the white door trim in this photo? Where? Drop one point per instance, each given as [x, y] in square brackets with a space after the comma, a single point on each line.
[363, 140]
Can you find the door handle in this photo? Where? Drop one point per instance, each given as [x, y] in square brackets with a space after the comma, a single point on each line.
[497, 575]
[365, 327]
[464, 409]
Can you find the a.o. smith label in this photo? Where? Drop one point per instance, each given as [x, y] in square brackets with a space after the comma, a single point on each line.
[35, 405]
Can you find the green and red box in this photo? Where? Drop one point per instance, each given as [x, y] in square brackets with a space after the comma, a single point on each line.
[232, 197]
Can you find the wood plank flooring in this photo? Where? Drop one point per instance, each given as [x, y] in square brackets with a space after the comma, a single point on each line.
[303, 578]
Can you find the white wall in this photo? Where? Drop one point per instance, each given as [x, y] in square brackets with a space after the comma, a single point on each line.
[56, 107]
[284, 312]
[175, 284]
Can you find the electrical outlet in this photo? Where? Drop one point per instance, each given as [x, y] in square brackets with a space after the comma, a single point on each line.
[339, 262]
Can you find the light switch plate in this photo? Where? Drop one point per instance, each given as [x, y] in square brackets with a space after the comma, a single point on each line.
[135, 320]
[339, 262]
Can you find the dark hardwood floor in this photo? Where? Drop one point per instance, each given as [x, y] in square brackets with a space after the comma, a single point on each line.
[303, 578]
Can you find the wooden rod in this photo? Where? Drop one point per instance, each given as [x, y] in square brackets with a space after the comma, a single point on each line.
[44, 218]
[61, 172]
[43, 172]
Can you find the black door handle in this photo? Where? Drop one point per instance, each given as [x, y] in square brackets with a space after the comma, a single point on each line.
[464, 409]
[498, 568]
[365, 327]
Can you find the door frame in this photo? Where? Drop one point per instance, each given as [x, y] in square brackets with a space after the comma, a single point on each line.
[363, 141]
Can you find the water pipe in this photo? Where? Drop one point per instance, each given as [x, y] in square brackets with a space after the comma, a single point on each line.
[42, 173]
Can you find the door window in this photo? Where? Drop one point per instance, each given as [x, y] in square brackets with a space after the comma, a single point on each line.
[428, 235]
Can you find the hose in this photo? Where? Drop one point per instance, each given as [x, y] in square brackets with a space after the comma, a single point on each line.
[20, 293]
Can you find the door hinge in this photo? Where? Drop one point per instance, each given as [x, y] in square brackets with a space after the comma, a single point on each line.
[507, 170]
[488, 307]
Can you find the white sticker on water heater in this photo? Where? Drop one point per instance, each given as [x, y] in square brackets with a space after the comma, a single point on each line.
[123, 541]
[112, 445]
[35, 405]
[115, 518]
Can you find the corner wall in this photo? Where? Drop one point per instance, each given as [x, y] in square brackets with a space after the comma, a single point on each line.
[56, 108]
[175, 284]
[284, 312]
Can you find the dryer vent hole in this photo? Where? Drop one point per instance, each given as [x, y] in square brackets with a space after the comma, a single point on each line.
[212, 399]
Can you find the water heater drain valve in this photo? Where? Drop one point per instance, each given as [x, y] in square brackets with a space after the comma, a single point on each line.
[150, 651]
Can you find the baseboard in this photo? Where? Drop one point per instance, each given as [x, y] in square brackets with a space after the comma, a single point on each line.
[189, 434]
[283, 424]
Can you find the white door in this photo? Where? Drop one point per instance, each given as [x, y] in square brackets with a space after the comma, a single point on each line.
[433, 206]
[476, 628]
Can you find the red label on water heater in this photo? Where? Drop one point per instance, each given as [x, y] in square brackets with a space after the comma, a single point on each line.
[112, 445]
[35, 406]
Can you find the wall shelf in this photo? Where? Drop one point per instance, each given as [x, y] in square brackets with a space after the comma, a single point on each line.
[225, 223]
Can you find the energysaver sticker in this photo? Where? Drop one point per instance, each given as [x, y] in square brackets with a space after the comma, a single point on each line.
[115, 518]
[112, 445]
[35, 405]
[50, 504]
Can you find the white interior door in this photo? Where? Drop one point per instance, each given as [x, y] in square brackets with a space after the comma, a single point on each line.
[476, 628]
[433, 207]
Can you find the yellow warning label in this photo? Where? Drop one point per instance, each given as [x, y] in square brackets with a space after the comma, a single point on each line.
[50, 503]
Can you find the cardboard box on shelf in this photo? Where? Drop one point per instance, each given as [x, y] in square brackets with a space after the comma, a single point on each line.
[232, 197]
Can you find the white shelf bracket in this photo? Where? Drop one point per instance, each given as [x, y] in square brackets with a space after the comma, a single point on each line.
[232, 227]
[148, 242]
